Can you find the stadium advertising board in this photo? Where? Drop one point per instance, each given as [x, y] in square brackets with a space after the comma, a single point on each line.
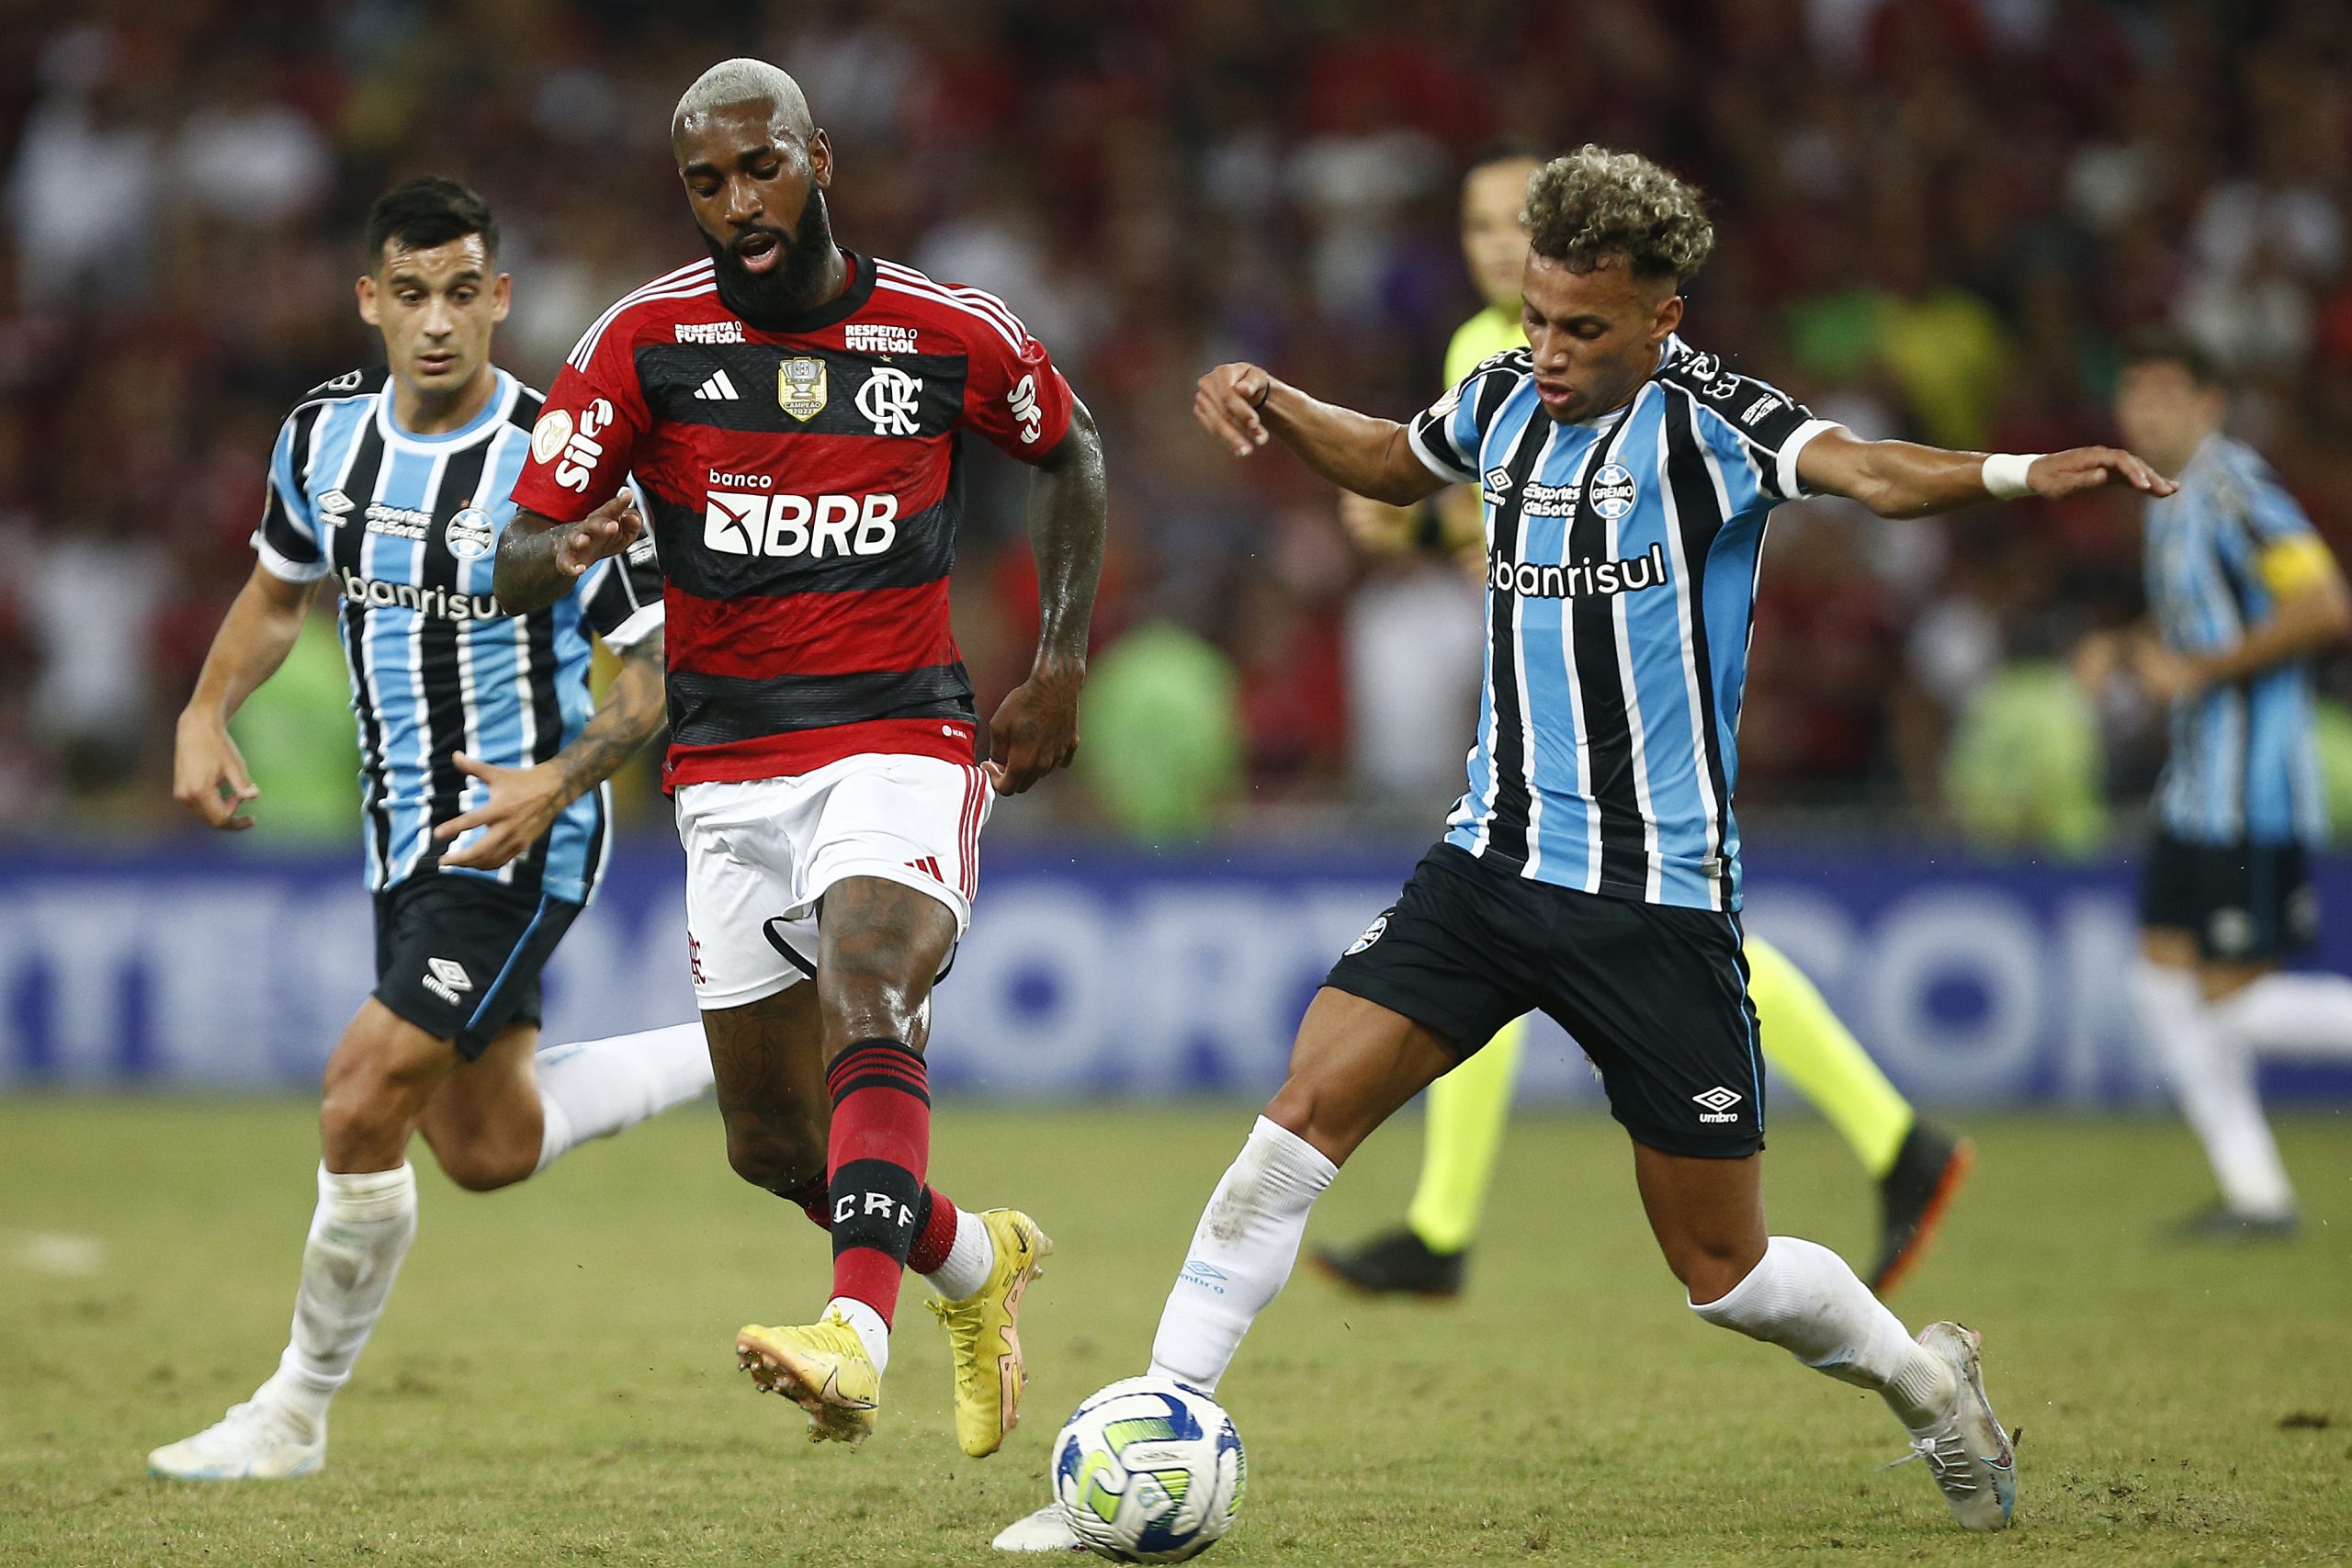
[1100, 972]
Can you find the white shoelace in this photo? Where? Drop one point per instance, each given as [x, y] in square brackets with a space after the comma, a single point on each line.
[1947, 1455]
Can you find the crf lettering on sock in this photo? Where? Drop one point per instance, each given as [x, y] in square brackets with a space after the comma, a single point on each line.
[879, 1147]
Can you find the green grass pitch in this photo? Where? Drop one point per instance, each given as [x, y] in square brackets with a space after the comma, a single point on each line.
[555, 1384]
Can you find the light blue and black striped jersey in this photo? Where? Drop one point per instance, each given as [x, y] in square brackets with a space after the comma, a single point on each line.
[1620, 582]
[409, 525]
[2242, 766]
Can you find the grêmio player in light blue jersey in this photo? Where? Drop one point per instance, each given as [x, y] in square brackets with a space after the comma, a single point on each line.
[1591, 868]
[482, 768]
[2242, 595]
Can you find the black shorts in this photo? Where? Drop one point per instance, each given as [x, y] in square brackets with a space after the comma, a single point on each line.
[2244, 902]
[1657, 995]
[460, 955]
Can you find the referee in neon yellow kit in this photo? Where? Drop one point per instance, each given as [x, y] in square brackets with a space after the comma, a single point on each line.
[1917, 1165]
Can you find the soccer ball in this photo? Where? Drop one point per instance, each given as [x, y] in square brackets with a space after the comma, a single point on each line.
[1148, 1471]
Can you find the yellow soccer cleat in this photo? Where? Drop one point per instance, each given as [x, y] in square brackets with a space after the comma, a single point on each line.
[985, 1329]
[823, 1369]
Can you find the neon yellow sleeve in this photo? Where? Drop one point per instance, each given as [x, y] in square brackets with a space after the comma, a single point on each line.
[2295, 563]
[1482, 337]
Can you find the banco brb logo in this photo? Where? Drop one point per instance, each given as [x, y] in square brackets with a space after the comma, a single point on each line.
[737, 523]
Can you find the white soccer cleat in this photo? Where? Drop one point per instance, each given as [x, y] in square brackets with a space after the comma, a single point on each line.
[1044, 1531]
[1966, 1451]
[256, 1441]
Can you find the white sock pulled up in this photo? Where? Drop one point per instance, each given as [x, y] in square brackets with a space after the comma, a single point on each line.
[2211, 1076]
[359, 1233]
[2298, 1014]
[1241, 1254]
[593, 1088]
[1801, 1297]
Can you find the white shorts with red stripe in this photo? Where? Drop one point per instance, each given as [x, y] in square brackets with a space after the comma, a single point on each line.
[762, 853]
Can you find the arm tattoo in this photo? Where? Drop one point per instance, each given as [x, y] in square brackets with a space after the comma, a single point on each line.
[526, 577]
[1067, 523]
[629, 715]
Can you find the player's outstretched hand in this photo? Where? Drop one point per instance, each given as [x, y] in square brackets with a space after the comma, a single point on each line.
[208, 775]
[607, 531]
[522, 806]
[1226, 403]
[1035, 727]
[2061, 474]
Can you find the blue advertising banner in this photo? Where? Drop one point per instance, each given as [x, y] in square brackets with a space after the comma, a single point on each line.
[1090, 971]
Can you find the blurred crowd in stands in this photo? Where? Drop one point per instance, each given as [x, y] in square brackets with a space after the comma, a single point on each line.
[1934, 217]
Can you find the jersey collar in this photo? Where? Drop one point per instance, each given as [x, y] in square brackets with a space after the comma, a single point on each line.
[839, 308]
[493, 412]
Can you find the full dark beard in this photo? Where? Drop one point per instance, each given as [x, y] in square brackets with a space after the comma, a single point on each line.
[771, 301]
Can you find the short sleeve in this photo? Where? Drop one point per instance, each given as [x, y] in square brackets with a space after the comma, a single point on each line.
[2270, 513]
[287, 539]
[588, 429]
[1013, 392]
[621, 600]
[1767, 423]
[1447, 435]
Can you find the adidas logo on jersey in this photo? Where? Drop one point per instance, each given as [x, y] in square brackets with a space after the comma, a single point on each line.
[718, 389]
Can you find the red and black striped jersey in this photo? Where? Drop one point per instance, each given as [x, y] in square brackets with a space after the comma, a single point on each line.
[806, 490]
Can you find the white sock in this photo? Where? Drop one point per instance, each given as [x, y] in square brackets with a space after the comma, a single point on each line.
[2303, 1015]
[593, 1088]
[971, 1257]
[1242, 1252]
[2211, 1076]
[1801, 1297]
[872, 1331]
[359, 1233]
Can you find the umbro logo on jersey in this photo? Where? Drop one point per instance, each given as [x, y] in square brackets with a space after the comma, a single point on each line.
[1499, 481]
[333, 507]
[718, 389]
[445, 977]
[1715, 1105]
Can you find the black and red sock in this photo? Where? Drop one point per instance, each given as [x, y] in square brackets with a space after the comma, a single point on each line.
[934, 1221]
[878, 1152]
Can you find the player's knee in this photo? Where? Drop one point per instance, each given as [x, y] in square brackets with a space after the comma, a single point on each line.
[776, 1154]
[1310, 1110]
[365, 1106]
[1710, 1267]
[483, 1166]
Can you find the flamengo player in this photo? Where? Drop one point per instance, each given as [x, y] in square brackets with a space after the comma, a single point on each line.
[1592, 867]
[793, 414]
